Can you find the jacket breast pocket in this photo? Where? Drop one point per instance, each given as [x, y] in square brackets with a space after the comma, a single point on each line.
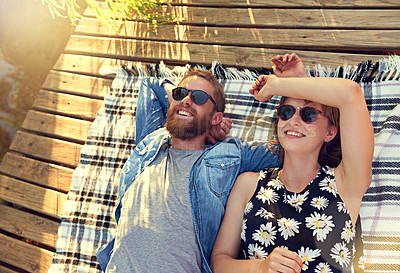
[221, 174]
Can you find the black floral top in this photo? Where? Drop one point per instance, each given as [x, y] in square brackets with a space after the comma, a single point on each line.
[314, 223]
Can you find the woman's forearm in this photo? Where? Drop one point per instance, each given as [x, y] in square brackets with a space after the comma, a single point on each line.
[223, 263]
[335, 92]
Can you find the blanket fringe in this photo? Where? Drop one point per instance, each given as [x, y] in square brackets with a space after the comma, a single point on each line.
[385, 69]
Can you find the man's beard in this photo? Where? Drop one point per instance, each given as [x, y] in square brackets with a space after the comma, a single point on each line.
[186, 129]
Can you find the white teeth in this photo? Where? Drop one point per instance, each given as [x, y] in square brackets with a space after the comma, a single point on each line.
[184, 113]
[291, 133]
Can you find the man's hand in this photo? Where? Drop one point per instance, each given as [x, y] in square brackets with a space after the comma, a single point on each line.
[168, 89]
[219, 131]
[288, 65]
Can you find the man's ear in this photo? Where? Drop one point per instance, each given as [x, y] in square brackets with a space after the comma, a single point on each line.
[217, 118]
[331, 133]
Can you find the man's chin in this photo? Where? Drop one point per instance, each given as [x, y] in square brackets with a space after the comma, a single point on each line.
[184, 134]
[186, 128]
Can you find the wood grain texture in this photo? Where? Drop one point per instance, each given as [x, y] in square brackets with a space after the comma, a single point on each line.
[6, 270]
[66, 104]
[27, 225]
[285, 17]
[25, 256]
[38, 172]
[290, 3]
[311, 39]
[48, 149]
[30, 196]
[88, 86]
[155, 51]
[57, 126]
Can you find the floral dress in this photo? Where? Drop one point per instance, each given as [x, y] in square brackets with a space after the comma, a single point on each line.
[314, 223]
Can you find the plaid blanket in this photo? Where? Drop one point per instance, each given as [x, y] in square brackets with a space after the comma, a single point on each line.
[87, 220]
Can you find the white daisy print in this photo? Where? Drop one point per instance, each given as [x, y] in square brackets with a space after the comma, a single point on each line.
[256, 252]
[275, 183]
[329, 171]
[263, 213]
[288, 227]
[361, 263]
[265, 235]
[323, 268]
[342, 207]
[243, 233]
[341, 254]
[321, 224]
[296, 200]
[262, 175]
[348, 232]
[308, 255]
[244, 254]
[328, 184]
[267, 195]
[248, 207]
[320, 202]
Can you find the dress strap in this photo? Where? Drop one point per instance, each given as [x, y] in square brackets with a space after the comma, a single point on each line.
[359, 248]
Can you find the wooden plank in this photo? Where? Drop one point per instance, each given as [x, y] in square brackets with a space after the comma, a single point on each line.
[6, 270]
[39, 172]
[286, 17]
[27, 195]
[183, 53]
[290, 3]
[66, 104]
[29, 226]
[314, 39]
[57, 126]
[86, 64]
[52, 150]
[94, 87]
[25, 256]
[294, 18]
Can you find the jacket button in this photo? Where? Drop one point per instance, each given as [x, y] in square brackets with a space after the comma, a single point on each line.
[222, 164]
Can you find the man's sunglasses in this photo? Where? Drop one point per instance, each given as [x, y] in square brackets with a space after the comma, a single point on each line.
[307, 114]
[197, 96]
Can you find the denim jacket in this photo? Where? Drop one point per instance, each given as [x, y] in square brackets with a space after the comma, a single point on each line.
[211, 177]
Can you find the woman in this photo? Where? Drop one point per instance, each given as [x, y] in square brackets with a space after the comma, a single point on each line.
[303, 216]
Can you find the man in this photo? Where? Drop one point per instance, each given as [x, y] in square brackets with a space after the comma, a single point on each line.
[174, 188]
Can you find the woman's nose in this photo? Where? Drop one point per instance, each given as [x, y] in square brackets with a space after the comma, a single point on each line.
[296, 119]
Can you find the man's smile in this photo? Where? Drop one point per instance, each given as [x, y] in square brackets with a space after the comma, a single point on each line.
[184, 112]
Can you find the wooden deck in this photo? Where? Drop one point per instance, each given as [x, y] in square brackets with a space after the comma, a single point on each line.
[35, 174]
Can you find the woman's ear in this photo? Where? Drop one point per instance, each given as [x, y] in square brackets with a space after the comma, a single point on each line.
[217, 118]
[331, 134]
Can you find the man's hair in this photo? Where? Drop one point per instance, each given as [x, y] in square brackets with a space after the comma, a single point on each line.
[219, 95]
[331, 152]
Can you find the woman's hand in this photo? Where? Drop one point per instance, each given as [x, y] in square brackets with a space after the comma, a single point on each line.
[262, 88]
[285, 66]
[281, 260]
[288, 65]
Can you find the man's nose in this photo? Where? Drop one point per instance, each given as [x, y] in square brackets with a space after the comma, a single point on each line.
[187, 100]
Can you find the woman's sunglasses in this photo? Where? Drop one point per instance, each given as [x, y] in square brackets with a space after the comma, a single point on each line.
[307, 114]
[197, 96]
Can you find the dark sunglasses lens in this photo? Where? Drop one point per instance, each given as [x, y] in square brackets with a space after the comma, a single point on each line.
[199, 97]
[308, 114]
[179, 93]
[285, 112]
